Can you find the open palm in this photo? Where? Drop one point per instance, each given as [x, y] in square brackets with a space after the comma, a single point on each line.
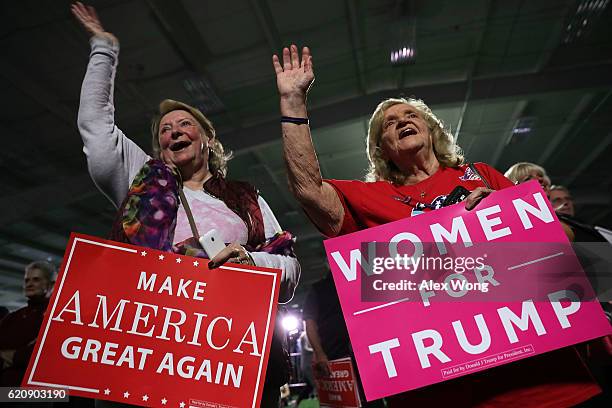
[87, 16]
[293, 77]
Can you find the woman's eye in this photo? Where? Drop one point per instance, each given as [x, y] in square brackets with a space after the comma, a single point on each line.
[185, 123]
[389, 124]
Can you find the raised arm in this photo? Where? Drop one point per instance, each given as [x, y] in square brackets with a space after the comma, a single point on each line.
[318, 198]
[113, 159]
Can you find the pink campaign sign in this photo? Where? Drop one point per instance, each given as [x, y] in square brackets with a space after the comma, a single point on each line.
[518, 299]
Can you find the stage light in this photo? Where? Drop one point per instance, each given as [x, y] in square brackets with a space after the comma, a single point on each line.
[290, 323]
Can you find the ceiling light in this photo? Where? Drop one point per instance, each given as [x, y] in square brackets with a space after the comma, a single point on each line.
[403, 37]
[582, 18]
[290, 323]
[522, 129]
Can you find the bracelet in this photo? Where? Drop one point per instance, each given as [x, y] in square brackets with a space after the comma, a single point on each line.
[248, 254]
[296, 121]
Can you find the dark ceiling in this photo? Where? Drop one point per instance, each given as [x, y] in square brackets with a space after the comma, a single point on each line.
[482, 65]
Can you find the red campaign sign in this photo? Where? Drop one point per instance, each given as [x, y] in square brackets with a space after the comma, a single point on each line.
[340, 388]
[151, 328]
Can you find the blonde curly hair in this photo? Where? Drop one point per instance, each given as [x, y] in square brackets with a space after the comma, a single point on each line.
[217, 157]
[447, 152]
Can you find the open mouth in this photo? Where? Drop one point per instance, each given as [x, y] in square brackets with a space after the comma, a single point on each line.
[179, 146]
[407, 132]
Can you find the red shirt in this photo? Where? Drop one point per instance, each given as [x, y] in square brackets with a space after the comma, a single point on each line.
[555, 379]
[367, 205]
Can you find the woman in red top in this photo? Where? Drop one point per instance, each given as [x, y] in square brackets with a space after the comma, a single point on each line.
[414, 165]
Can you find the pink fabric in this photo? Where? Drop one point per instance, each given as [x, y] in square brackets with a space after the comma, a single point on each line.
[209, 213]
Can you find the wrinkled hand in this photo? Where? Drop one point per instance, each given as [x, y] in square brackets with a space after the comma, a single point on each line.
[321, 367]
[233, 253]
[87, 16]
[476, 196]
[294, 78]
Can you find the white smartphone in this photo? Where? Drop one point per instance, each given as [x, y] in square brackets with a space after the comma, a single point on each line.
[211, 243]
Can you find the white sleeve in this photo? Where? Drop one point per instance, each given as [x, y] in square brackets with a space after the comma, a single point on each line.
[112, 159]
[288, 264]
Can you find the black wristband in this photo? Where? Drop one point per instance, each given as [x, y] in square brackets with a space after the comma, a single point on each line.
[296, 121]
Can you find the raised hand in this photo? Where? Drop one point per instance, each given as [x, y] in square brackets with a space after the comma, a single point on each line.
[293, 77]
[87, 16]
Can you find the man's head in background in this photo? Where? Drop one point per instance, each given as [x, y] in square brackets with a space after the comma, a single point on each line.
[562, 200]
[38, 280]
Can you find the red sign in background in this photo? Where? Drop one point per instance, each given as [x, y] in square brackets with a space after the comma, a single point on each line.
[339, 390]
[152, 328]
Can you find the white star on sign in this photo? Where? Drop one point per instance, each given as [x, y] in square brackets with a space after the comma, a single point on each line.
[195, 263]
[145, 397]
[106, 391]
[126, 394]
[178, 260]
[163, 401]
[182, 404]
[161, 257]
[143, 253]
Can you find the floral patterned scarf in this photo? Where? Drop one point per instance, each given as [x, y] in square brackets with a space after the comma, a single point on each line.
[148, 214]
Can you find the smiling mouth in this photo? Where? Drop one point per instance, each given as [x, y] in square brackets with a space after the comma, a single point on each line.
[179, 146]
[407, 132]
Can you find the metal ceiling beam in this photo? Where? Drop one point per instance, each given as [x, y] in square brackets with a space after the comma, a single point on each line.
[53, 227]
[182, 32]
[103, 217]
[266, 21]
[14, 271]
[356, 31]
[37, 92]
[15, 259]
[28, 243]
[554, 38]
[519, 110]
[585, 162]
[573, 118]
[38, 200]
[73, 34]
[510, 86]
[472, 69]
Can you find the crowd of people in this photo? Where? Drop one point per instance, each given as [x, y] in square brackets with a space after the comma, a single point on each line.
[414, 165]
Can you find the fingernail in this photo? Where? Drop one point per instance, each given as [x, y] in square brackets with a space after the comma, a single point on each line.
[211, 265]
